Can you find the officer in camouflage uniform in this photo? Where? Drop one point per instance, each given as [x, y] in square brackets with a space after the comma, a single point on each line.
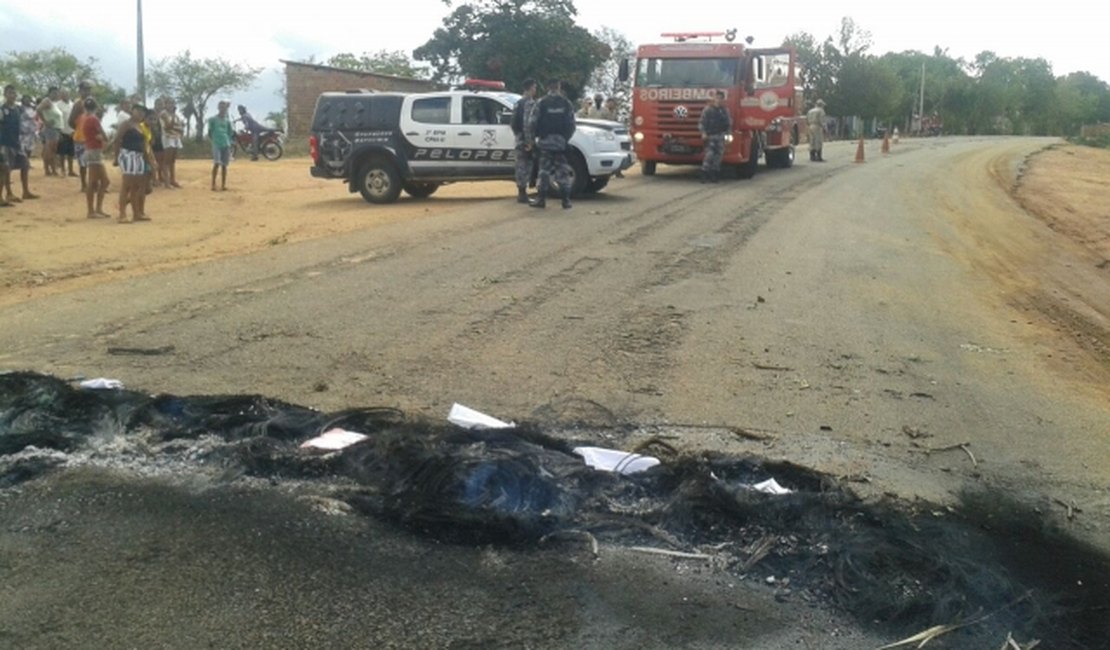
[524, 145]
[552, 124]
[714, 125]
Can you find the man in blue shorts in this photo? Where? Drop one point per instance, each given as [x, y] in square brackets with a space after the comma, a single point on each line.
[11, 147]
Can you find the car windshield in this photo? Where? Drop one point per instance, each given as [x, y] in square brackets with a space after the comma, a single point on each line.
[686, 73]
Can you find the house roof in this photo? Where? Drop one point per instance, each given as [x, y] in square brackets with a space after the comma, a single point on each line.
[362, 73]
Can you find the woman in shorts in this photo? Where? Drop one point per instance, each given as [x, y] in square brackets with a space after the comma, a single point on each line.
[94, 136]
[134, 157]
[173, 130]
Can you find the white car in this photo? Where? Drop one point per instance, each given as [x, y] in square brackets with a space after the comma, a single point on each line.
[383, 143]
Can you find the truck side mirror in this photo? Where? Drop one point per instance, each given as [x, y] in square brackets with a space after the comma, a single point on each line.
[622, 70]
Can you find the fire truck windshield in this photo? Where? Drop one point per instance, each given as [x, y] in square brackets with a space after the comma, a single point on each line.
[686, 73]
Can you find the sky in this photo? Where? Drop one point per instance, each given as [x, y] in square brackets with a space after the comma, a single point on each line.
[1069, 34]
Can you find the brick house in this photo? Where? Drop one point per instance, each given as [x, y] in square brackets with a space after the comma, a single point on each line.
[305, 81]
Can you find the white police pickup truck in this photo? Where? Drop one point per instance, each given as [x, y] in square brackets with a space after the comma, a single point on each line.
[383, 143]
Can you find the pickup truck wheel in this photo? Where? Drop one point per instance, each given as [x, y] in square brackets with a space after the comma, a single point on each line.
[597, 184]
[579, 173]
[419, 190]
[647, 167]
[378, 181]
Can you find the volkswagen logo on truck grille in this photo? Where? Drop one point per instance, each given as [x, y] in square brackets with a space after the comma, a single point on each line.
[680, 112]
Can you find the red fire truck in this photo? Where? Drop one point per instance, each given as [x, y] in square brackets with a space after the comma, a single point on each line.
[672, 82]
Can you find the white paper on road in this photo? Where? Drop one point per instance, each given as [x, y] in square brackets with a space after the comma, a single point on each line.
[468, 418]
[100, 383]
[333, 439]
[615, 460]
[771, 486]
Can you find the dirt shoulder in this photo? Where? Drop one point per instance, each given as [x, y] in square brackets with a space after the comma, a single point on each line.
[1065, 187]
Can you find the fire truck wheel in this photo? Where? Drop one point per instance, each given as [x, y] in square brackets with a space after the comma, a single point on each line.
[647, 167]
[747, 169]
[781, 158]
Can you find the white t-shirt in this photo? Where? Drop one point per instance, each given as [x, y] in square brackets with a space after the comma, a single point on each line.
[65, 107]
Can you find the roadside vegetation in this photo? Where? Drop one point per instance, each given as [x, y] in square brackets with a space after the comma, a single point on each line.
[512, 40]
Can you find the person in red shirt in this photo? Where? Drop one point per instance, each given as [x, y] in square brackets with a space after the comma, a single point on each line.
[94, 160]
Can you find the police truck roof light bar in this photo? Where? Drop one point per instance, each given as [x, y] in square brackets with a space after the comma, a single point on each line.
[682, 37]
[481, 84]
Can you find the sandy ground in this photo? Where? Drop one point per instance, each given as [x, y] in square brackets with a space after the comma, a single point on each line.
[48, 245]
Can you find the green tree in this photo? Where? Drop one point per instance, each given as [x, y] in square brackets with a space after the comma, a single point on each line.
[1014, 95]
[395, 63]
[816, 67]
[852, 40]
[36, 71]
[1082, 98]
[867, 87]
[605, 78]
[948, 87]
[512, 40]
[277, 118]
[1038, 98]
[193, 82]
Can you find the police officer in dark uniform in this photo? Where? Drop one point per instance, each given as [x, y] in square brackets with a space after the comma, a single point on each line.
[714, 125]
[525, 147]
[553, 125]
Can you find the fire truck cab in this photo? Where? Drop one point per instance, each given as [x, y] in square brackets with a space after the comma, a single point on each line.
[672, 83]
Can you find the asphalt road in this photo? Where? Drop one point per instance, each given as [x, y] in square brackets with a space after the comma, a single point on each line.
[853, 313]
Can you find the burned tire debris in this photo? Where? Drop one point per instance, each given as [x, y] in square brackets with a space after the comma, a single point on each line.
[898, 567]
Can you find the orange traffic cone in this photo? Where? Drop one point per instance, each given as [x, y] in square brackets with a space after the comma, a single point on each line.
[859, 151]
[886, 144]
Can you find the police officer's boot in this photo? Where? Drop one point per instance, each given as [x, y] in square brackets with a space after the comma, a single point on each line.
[566, 199]
[714, 176]
[541, 199]
[521, 195]
[703, 176]
[820, 156]
[812, 155]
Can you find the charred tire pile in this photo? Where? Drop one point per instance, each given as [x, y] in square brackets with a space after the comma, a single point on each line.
[890, 564]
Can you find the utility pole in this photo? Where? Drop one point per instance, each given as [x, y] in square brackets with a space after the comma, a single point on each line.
[141, 65]
[921, 102]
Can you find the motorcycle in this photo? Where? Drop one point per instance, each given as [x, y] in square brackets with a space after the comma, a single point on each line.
[269, 143]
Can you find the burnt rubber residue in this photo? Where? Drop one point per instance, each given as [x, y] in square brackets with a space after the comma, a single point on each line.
[993, 563]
